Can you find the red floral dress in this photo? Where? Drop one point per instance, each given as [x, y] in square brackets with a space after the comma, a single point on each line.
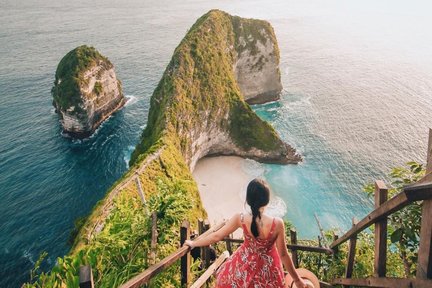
[255, 264]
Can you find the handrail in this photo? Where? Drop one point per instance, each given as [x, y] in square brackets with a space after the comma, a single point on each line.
[410, 194]
[204, 277]
[155, 269]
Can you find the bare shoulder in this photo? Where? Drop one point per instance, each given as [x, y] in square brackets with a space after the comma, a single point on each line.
[279, 223]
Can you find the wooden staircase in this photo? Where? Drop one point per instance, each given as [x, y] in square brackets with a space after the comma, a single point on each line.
[420, 191]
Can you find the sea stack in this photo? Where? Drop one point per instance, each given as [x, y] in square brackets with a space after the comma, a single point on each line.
[200, 104]
[86, 91]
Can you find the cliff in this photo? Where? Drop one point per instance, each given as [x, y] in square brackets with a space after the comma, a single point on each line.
[86, 91]
[199, 106]
[197, 109]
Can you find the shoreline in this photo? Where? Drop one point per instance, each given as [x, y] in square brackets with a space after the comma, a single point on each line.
[222, 183]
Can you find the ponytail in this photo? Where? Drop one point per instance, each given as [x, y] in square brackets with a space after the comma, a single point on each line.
[254, 227]
[257, 196]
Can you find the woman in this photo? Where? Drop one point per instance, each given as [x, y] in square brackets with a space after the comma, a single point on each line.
[257, 262]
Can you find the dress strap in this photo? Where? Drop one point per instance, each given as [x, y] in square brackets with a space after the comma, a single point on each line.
[272, 227]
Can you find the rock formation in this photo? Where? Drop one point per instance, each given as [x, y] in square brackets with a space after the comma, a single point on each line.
[86, 91]
[256, 63]
[199, 105]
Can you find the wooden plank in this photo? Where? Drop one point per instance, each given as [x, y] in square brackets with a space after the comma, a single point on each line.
[185, 261]
[429, 153]
[384, 282]
[201, 230]
[212, 269]
[424, 265]
[381, 193]
[228, 244]
[351, 254]
[294, 255]
[154, 236]
[86, 277]
[321, 231]
[140, 190]
[335, 249]
[392, 205]
[145, 276]
[206, 249]
[422, 191]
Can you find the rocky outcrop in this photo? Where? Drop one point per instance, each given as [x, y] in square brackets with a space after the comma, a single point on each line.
[199, 105]
[256, 63]
[86, 91]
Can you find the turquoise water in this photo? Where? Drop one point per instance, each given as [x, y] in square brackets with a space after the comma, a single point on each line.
[357, 84]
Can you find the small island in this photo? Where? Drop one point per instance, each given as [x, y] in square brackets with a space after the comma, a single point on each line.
[86, 91]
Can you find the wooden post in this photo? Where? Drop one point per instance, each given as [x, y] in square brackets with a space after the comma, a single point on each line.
[202, 249]
[293, 236]
[206, 249]
[86, 277]
[185, 260]
[335, 249]
[229, 245]
[140, 190]
[424, 265]
[153, 239]
[351, 255]
[381, 193]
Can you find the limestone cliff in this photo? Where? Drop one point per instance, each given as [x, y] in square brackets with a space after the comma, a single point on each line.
[256, 63]
[86, 91]
[199, 105]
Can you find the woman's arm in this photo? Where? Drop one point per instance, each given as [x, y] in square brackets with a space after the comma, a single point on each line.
[283, 253]
[218, 235]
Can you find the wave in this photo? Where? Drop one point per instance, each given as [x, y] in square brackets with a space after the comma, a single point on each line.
[130, 100]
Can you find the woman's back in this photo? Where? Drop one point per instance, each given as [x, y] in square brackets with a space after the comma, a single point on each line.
[256, 262]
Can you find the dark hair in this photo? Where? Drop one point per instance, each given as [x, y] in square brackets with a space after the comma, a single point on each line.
[257, 196]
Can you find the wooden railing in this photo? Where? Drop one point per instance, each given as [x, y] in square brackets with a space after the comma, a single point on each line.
[182, 254]
[420, 191]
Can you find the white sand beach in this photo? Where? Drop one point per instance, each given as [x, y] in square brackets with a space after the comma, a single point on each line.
[222, 184]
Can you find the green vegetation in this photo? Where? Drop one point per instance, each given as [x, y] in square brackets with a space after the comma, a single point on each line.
[199, 83]
[69, 76]
[97, 88]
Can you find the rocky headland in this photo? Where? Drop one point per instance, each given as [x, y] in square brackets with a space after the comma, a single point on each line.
[86, 91]
[200, 104]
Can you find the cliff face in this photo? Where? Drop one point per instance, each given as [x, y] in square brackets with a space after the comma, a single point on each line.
[256, 63]
[86, 91]
[199, 104]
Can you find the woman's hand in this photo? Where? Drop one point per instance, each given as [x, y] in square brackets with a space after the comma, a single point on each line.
[189, 243]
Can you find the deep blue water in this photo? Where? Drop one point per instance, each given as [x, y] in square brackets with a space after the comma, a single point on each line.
[357, 84]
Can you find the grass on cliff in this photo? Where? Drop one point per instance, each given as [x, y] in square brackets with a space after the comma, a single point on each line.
[198, 88]
[120, 250]
[68, 77]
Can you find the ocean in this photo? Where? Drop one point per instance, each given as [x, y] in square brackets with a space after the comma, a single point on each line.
[357, 79]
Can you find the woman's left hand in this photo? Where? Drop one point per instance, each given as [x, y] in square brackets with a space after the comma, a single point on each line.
[189, 243]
